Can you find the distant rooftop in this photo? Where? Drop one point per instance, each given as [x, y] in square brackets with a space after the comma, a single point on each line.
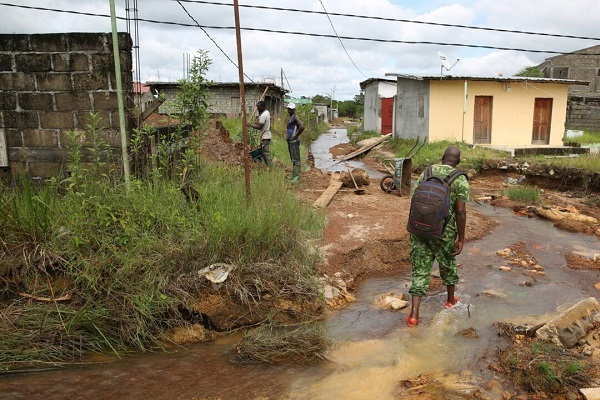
[219, 84]
[418, 77]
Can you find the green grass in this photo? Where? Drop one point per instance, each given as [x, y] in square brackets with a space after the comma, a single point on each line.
[588, 137]
[471, 157]
[523, 194]
[130, 258]
[363, 135]
[586, 162]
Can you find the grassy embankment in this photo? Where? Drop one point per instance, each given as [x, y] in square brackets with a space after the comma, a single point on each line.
[89, 265]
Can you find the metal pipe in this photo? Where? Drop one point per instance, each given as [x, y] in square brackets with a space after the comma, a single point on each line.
[238, 37]
[116, 56]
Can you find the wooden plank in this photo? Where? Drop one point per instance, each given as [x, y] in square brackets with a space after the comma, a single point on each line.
[334, 186]
[364, 148]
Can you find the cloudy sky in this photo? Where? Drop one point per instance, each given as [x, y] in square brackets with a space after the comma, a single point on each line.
[317, 65]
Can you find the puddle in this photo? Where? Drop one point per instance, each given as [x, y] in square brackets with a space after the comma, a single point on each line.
[324, 159]
[374, 350]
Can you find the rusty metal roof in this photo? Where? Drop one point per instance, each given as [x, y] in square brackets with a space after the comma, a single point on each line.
[418, 77]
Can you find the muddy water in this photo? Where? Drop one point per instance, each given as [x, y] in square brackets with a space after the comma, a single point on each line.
[374, 349]
[324, 159]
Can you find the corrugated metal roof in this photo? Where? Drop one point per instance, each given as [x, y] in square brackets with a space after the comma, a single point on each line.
[487, 78]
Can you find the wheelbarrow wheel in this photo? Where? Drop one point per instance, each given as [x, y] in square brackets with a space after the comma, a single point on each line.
[387, 183]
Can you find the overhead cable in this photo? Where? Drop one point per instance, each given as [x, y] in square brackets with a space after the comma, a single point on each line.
[216, 44]
[310, 34]
[342, 43]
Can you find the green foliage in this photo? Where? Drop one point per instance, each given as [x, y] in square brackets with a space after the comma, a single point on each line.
[588, 137]
[532, 72]
[547, 371]
[523, 194]
[352, 108]
[472, 157]
[192, 99]
[585, 162]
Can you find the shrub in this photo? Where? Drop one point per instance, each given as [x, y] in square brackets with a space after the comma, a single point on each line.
[523, 194]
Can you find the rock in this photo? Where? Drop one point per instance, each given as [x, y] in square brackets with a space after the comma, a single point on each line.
[567, 328]
[190, 334]
[528, 283]
[350, 216]
[541, 273]
[524, 263]
[392, 302]
[503, 253]
[492, 293]
[505, 268]
[506, 395]
[587, 351]
[597, 286]
[538, 267]
[470, 333]
[590, 393]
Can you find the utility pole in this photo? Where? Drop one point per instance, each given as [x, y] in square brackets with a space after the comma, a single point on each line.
[283, 87]
[238, 36]
[331, 106]
[116, 56]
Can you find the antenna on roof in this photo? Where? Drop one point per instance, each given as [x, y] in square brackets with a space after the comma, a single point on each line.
[445, 63]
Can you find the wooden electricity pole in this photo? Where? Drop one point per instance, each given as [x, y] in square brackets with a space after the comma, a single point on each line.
[238, 36]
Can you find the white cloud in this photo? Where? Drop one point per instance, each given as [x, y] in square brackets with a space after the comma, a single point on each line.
[315, 65]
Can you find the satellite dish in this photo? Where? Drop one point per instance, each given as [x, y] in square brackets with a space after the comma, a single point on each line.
[445, 63]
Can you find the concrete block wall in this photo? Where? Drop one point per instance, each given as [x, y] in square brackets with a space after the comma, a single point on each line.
[49, 85]
[583, 113]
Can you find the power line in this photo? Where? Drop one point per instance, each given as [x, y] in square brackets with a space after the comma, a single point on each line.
[409, 21]
[310, 34]
[342, 43]
[216, 44]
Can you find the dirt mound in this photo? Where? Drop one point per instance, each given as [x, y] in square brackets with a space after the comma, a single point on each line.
[360, 177]
[341, 149]
[217, 145]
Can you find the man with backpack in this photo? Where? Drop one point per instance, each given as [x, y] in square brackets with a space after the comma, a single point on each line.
[437, 223]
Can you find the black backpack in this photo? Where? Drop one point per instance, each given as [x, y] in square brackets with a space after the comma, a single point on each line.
[430, 205]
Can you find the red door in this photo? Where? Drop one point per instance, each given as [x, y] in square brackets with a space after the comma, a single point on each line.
[387, 115]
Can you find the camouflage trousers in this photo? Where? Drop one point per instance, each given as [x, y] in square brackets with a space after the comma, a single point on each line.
[423, 252]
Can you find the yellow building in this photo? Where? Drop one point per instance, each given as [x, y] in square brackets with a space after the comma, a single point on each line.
[495, 111]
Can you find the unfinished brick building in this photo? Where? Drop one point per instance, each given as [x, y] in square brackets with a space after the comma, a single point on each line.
[49, 85]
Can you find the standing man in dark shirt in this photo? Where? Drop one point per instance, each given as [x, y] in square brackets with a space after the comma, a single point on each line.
[294, 128]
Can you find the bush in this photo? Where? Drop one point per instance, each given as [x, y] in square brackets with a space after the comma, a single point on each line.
[524, 194]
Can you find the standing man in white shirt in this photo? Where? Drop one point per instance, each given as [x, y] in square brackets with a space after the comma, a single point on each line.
[264, 126]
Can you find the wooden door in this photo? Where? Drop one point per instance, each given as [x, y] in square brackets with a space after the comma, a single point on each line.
[482, 124]
[387, 115]
[542, 118]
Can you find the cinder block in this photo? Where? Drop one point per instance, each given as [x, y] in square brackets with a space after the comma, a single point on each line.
[14, 138]
[71, 101]
[33, 154]
[48, 42]
[11, 81]
[5, 62]
[44, 169]
[85, 81]
[105, 101]
[125, 42]
[79, 62]
[8, 101]
[36, 101]
[33, 62]
[56, 120]
[21, 119]
[61, 62]
[86, 41]
[83, 119]
[53, 82]
[102, 63]
[40, 138]
[16, 168]
[10, 42]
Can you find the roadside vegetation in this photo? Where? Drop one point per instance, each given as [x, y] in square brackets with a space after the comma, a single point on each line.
[588, 137]
[90, 264]
[472, 157]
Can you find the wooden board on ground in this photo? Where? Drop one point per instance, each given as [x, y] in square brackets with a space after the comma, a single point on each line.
[591, 393]
[364, 148]
[334, 186]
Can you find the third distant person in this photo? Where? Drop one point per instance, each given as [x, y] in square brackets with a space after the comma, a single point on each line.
[294, 128]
